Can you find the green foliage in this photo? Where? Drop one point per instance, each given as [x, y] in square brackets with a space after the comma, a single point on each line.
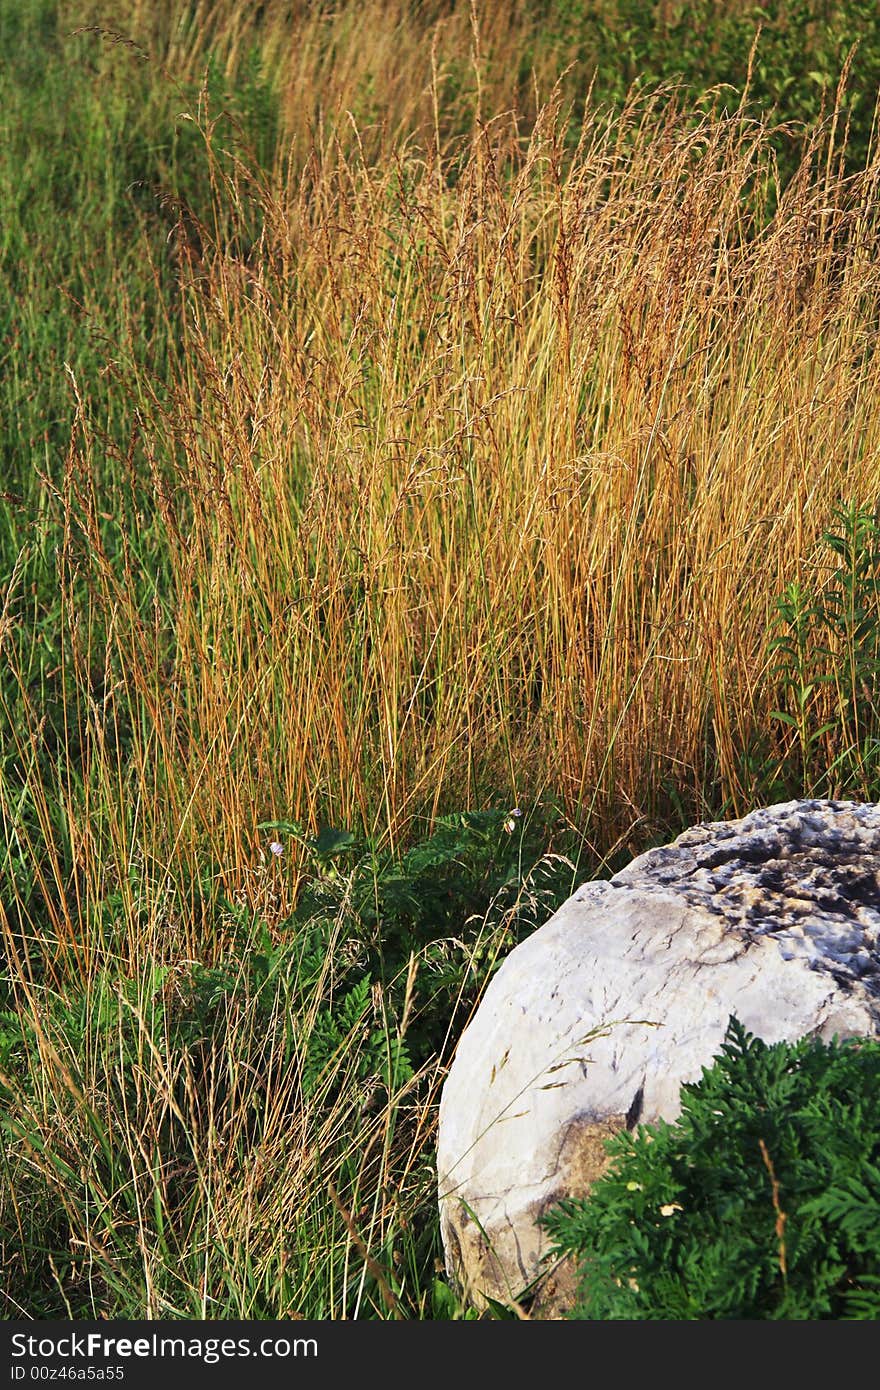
[761, 1201]
[798, 61]
[14, 1037]
[454, 903]
[827, 661]
[325, 1021]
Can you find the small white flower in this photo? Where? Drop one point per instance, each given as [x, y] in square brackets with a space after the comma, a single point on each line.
[276, 848]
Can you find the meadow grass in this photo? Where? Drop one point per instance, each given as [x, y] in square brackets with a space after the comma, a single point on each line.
[380, 441]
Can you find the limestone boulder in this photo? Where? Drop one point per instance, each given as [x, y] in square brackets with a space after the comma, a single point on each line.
[596, 1020]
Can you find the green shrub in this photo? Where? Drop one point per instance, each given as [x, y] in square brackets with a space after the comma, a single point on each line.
[792, 57]
[455, 901]
[761, 1201]
[827, 661]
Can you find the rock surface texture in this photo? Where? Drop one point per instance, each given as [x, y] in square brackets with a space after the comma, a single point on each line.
[594, 1022]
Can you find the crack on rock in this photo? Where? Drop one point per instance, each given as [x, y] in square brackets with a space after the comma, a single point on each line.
[635, 1110]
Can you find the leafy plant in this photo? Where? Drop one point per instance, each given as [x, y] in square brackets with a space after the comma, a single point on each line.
[798, 613]
[828, 659]
[761, 1201]
[438, 903]
[789, 56]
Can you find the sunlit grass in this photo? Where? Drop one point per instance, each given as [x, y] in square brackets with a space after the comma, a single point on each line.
[379, 444]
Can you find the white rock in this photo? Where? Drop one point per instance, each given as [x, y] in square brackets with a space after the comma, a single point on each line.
[595, 1021]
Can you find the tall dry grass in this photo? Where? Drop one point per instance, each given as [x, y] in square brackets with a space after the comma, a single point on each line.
[479, 476]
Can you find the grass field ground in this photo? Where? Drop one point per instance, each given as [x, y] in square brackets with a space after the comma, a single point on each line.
[406, 419]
